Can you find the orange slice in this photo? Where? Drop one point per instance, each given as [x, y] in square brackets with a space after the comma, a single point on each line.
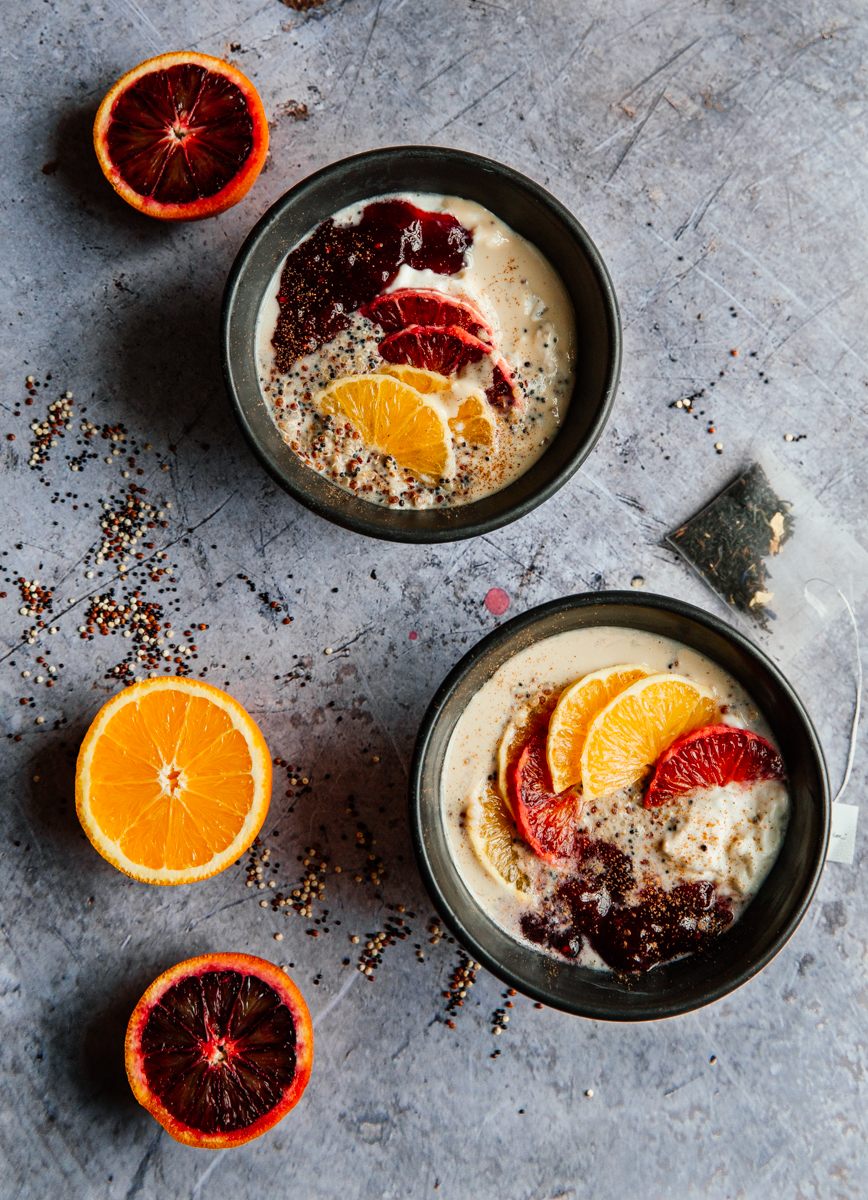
[173, 781]
[629, 735]
[394, 419]
[576, 708]
[426, 382]
[492, 835]
[474, 423]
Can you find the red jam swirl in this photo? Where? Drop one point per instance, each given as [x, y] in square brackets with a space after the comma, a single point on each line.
[592, 905]
[339, 268]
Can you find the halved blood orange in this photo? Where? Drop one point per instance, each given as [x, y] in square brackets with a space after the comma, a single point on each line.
[182, 136]
[173, 780]
[713, 756]
[219, 1049]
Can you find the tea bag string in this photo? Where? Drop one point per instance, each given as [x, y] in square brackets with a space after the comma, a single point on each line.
[854, 728]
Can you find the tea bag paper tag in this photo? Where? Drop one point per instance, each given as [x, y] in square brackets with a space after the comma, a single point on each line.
[842, 839]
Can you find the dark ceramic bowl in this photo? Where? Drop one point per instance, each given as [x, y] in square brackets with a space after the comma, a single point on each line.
[522, 204]
[745, 948]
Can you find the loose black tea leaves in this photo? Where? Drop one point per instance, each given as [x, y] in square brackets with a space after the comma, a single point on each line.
[728, 542]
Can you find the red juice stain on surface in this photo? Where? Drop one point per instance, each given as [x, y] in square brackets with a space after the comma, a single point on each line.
[496, 601]
[339, 268]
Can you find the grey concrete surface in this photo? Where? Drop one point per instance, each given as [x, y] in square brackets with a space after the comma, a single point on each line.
[716, 153]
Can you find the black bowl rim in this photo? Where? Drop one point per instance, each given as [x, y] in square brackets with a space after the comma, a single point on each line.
[505, 632]
[546, 490]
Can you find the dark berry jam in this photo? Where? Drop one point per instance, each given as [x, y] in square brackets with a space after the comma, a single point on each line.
[341, 267]
[593, 905]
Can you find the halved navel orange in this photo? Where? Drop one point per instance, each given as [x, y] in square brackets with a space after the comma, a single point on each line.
[173, 780]
[625, 740]
[395, 419]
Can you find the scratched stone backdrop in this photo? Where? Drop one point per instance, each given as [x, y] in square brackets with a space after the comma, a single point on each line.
[716, 153]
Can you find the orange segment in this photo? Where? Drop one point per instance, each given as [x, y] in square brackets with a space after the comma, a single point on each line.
[426, 382]
[173, 781]
[394, 419]
[493, 837]
[629, 735]
[474, 422]
[576, 708]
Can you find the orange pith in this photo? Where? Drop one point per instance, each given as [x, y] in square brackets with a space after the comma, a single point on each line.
[173, 781]
[627, 737]
[182, 136]
[219, 1049]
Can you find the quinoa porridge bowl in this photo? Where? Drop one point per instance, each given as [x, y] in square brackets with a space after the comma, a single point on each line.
[406, 360]
[619, 806]
[416, 350]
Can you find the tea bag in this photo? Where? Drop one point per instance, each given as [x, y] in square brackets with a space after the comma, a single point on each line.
[759, 542]
[729, 541]
[786, 568]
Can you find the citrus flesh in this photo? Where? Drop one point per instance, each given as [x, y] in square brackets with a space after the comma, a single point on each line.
[547, 820]
[524, 723]
[410, 306]
[576, 708]
[182, 136]
[394, 419]
[219, 1049]
[445, 349]
[426, 382]
[712, 756]
[492, 831]
[625, 740]
[173, 781]
[474, 422]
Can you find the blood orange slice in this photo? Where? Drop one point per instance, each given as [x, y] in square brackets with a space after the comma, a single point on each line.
[502, 392]
[411, 306]
[182, 136]
[444, 350]
[219, 1049]
[713, 757]
[548, 821]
